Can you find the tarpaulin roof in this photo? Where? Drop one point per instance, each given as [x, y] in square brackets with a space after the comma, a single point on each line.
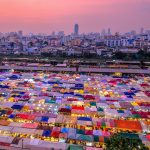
[129, 125]
[16, 106]
[64, 130]
[85, 118]
[75, 147]
[82, 137]
[44, 119]
[129, 135]
[46, 133]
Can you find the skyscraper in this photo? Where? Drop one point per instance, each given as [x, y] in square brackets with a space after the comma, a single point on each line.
[109, 31]
[103, 33]
[61, 33]
[76, 29]
[142, 30]
[20, 33]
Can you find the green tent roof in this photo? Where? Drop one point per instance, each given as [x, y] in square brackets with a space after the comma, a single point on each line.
[136, 116]
[105, 139]
[130, 135]
[75, 147]
[103, 124]
[100, 109]
[85, 138]
[80, 131]
[120, 111]
[93, 103]
[96, 138]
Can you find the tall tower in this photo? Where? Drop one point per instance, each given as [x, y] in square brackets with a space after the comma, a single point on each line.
[142, 30]
[109, 31]
[20, 33]
[76, 29]
[103, 33]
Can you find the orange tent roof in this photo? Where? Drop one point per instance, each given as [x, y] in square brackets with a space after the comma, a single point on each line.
[147, 123]
[4, 122]
[128, 125]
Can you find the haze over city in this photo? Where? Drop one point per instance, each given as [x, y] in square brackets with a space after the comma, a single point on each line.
[45, 16]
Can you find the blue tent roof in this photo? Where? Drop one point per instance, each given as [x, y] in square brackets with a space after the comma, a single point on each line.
[133, 89]
[64, 130]
[127, 93]
[47, 100]
[14, 77]
[79, 85]
[12, 116]
[44, 119]
[79, 95]
[120, 111]
[50, 82]
[2, 112]
[4, 86]
[58, 98]
[85, 118]
[18, 107]
[22, 93]
[16, 96]
[67, 107]
[69, 93]
[76, 88]
[129, 96]
[46, 133]
[105, 81]
[2, 79]
[57, 82]
[132, 94]
[45, 82]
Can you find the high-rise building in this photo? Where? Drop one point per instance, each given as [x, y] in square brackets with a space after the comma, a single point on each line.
[142, 31]
[76, 29]
[1, 34]
[53, 34]
[103, 33]
[147, 32]
[109, 31]
[20, 33]
[133, 32]
[61, 33]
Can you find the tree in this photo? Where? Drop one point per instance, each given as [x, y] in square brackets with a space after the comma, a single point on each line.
[45, 54]
[120, 142]
[45, 43]
[1, 60]
[148, 56]
[142, 64]
[119, 55]
[30, 44]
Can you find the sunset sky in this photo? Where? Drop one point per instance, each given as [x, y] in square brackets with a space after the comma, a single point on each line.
[45, 16]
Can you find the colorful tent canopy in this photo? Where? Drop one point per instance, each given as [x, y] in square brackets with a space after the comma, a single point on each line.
[128, 125]
[82, 137]
[46, 133]
[85, 118]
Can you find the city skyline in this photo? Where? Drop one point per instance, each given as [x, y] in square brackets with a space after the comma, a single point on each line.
[46, 16]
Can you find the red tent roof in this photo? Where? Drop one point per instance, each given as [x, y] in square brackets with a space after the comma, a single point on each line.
[128, 125]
